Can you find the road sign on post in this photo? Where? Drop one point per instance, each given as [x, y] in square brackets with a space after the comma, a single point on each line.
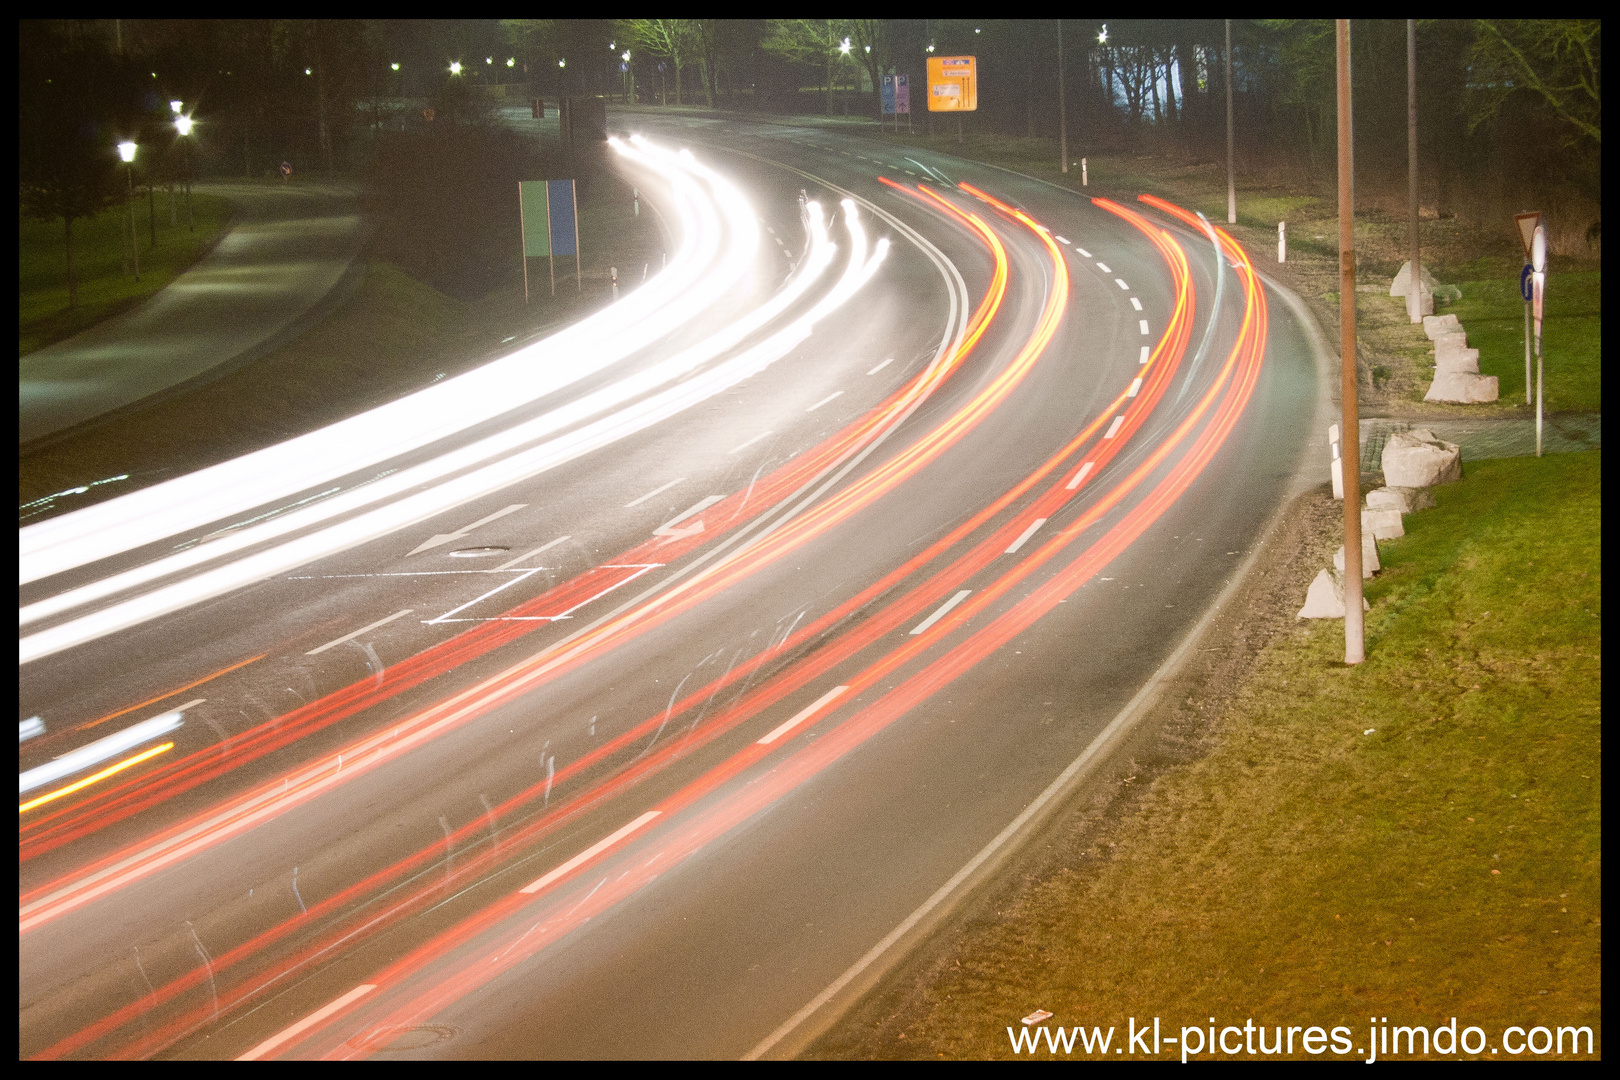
[953, 84]
[1538, 289]
[550, 225]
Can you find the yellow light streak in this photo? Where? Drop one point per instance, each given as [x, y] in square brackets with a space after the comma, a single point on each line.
[94, 778]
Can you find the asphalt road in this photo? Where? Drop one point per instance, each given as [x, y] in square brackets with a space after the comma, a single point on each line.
[711, 830]
[287, 250]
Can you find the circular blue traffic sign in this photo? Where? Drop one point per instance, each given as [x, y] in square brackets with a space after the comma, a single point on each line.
[1524, 282]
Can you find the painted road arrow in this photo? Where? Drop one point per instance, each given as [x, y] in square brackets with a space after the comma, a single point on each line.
[445, 538]
[668, 529]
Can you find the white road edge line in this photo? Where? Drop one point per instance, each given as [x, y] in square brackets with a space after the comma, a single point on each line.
[823, 401]
[941, 611]
[1122, 721]
[655, 491]
[1025, 535]
[288, 1034]
[1079, 476]
[803, 714]
[750, 442]
[350, 637]
[530, 554]
[589, 853]
[881, 366]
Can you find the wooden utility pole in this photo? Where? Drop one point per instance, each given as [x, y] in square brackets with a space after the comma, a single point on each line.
[1414, 288]
[1354, 625]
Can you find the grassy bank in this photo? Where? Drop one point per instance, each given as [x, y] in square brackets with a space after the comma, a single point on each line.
[100, 249]
[1572, 337]
[1415, 838]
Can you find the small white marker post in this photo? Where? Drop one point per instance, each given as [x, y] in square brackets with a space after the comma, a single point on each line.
[1084, 179]
[1282, 241]
[1538, 283]
[1338, 464]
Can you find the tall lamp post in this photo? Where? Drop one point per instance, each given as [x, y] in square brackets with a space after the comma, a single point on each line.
[126, 151]
[183, 124]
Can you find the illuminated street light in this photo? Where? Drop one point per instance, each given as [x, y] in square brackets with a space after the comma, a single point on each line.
[176, 106]
[1102, 38]
[394, 66]
[625, 55]
[126, 151]
[930, 48]
[182, 124]
[455, 67]
[843, 47]
[309, 71]
[562, 63]
[511, 61]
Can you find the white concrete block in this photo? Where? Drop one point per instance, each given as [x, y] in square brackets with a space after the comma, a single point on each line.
[1462, 387]
[1385, 498]
[1369, 557]
[1403, 280]
[1382, 524]
[1457, 361]
[1434, 325]
[1325, 599]
[1416, 459]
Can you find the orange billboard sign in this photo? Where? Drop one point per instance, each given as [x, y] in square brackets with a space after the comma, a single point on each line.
[953, 84]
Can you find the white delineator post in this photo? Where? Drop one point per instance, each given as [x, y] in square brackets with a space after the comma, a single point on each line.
[1336, 466]
[1084, 179]
[1282, 241]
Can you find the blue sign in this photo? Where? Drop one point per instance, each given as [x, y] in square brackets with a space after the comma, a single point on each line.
[1526, 289]
[560, 217]
[887, 91]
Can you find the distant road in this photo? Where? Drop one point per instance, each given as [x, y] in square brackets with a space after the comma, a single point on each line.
[289, 248]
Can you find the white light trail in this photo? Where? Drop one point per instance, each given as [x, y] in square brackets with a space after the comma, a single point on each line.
[98, 751]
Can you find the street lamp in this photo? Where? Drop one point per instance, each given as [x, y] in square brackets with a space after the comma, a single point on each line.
[455, 67]
[395, 66]
[511, 61]
[126, 151]
[176, 106]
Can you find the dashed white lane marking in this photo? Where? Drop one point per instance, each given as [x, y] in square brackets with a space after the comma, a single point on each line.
[1136, 384]
[1121, 283]
[1079, 476]
[803, 714]
[778, 240]
[1104, 268]
[1082, 251]
[655, 491]
[881, 366]
[1113, 429]
[350, 637]
[824, 401]
[770, 230]
[1135, 303]
[1143, 324]
[288, 1034]
[1025, 535]
[1062, 240]
[531, 554]
[941, 611]
[1145, 354]
[750, 442]
[589, 853]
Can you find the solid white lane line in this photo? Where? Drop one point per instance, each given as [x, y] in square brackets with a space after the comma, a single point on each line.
[1143, 324]
[1025, 535]
[531, 554]
[803, 714]
[484, 596]
[589, 853]
[1136, 384]
[1062, 240]
[1121, 283]
[881, 366]
[655, 491]
[1135, 303]
[1104, 268]
[357, 633]
[941, 611]
[1113, 429]
[1079, 476]
[1082, 251]
[749, 443]
[288, 1034]
[824, 401]
[1146, 352]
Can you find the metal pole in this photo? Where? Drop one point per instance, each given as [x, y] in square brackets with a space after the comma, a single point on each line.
[134, 240]
[1527, 394]
[1414, 289]
[1063, 116]
[1231, 177]
[151, 212]
[1354, 626]
[1539, 398]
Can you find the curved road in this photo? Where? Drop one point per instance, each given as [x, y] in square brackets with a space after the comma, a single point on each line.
[635, 754]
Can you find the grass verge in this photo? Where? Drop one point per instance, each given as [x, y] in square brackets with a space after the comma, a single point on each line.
[1415, 838]
[1492, 313]
[100, 248]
